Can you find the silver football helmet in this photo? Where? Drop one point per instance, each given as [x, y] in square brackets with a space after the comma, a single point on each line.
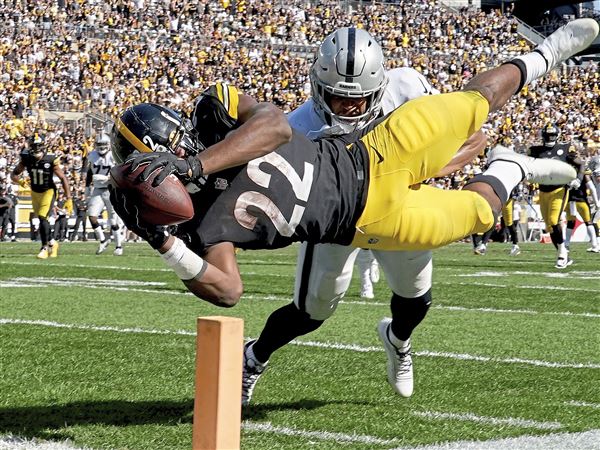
[349, 64]
[102, 144]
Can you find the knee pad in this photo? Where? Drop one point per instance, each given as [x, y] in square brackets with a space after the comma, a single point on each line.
[114, 227]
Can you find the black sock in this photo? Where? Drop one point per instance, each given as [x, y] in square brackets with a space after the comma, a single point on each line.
[407, 313]
[282, 326]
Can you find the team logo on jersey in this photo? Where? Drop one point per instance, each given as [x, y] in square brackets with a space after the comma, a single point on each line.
[221, 184]
[373, 241]
[47, 165]
[560, 152]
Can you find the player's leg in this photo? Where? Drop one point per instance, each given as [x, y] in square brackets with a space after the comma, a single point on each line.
[115, 227]
[409, 275]
[365, 262]
[42, 205]
[571, 219]
[555, 203]
[585, 212]
[95, 207]
[323, 275]
[499, 84]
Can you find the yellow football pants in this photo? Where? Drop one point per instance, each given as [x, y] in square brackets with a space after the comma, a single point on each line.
[584, 211]
[552, 204]
[412, 144]
[507, 212]
[42, 202]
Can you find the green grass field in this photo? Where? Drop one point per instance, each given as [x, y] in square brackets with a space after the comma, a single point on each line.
[99, 350]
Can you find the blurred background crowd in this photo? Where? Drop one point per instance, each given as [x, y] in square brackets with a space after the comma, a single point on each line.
[68, 66]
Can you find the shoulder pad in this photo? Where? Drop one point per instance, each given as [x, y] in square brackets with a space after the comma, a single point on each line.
[227, 95]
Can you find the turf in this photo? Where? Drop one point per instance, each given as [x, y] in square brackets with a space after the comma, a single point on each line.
[510, 348]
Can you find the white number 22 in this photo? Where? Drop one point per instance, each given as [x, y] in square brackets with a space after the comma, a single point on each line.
[300, 186]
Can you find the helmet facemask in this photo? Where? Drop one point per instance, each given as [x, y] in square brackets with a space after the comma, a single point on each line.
[349, 65]
[550, 135]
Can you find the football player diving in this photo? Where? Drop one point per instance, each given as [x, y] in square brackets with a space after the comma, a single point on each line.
[100, 161]
[554, 199]
[360, 189]
[351, 89]
[42, 166]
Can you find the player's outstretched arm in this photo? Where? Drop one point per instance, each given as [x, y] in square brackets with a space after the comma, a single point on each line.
[264, 127]
[15, 175]
[220, 282]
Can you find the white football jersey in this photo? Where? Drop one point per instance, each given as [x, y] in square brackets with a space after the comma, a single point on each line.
[100, 167]
[404, 85]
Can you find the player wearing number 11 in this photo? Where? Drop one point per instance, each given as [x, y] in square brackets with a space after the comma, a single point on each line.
[361, 189]
[41, 167]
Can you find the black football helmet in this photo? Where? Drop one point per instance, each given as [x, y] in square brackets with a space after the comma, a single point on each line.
[37, 147]
[148, 127]
[550, 135]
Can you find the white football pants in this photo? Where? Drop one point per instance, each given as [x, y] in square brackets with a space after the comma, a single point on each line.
[324, 272]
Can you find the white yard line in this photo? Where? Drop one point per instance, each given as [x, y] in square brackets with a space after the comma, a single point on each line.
[510, 421]
[10, 442]
[593, 290]
[123, 285]
[267, 427]
[583, 405]
[586, 440]
[326, 345]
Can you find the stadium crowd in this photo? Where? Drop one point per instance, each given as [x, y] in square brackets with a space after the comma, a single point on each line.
[97, 57]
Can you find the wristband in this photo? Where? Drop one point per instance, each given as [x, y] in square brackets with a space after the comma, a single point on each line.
[184, 262]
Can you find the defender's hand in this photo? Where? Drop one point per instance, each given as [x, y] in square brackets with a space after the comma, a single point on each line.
[574, 184]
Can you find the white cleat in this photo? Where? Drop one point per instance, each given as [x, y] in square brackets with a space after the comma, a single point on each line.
[515, 250]
[535, 170]
[562, 262]
[103, 245]
[399, 364]
[595, 249]
[118, 251]
[568, 40]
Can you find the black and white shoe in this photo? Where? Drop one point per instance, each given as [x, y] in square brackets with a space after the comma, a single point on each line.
[252, 370]
[399, 364]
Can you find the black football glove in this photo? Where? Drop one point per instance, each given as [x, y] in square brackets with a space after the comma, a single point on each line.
[126, 208]
[186, 169]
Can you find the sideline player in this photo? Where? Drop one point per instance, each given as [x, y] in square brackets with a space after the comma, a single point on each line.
[41, 167]
[100, 162]
[350, 89]
[554, 199]
[360, 189]
[578, 203]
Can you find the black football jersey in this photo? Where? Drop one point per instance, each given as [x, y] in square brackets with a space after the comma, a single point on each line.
[562, 152]
[303, 191]
[40, 172]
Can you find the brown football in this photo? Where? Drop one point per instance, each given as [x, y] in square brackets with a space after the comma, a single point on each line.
[169, 203]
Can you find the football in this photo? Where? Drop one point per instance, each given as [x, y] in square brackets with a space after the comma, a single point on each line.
[166, 204]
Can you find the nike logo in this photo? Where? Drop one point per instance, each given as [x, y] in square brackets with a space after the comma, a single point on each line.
[379, 155]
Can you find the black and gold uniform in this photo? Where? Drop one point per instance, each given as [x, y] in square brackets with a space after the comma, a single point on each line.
[43, 189]
[361, 189]
[553, 199]
[578, 203]
[510, 222]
